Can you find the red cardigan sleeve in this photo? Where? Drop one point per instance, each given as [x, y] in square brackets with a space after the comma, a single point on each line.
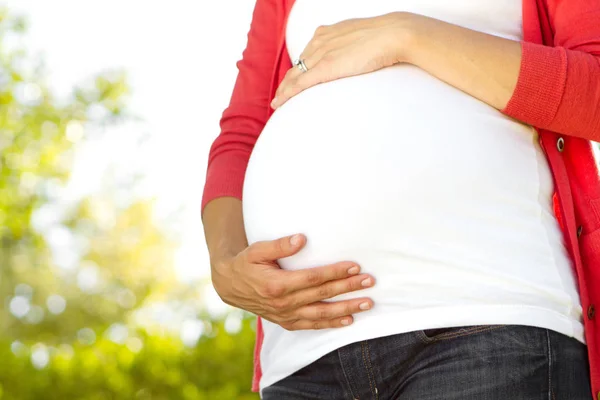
[558, 88]
[247, 113]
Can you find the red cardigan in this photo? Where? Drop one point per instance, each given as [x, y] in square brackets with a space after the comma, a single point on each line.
[558, 92]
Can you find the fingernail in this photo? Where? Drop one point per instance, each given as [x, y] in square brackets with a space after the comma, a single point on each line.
[295, 240]
[346, 322]
[366, 282]
[273, 102]
[354, 270]
[364, 306]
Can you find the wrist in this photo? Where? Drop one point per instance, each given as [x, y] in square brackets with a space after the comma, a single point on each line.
[221, 276]
[409, 36]
[221, 260]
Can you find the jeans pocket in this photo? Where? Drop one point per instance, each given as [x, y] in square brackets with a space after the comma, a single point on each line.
[436, 334]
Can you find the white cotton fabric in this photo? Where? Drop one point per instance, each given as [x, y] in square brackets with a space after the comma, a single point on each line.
[442, 198]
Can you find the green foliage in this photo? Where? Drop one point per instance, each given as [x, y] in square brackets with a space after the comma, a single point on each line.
[162, 369]
[55, 340]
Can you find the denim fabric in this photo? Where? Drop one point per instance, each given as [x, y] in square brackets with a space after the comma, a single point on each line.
[484, 362]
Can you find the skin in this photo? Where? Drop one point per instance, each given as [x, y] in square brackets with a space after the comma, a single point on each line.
[484, 66]
[248, 277]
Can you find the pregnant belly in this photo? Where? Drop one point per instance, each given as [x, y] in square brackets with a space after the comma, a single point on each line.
[395, 170]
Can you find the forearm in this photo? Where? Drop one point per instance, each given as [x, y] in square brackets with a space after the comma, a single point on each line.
[484, 66]
[224, 228]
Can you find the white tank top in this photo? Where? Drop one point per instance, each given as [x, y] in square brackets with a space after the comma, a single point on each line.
[442, 198]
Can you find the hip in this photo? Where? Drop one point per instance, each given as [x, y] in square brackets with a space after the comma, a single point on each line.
[490, 361]
[284, 352]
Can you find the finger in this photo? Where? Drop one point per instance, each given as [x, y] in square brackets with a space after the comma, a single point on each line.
[317, 45]
[271, 250]
[289, 77]
[322, 310]
[305, 324]
[297, 83]
[317, 276]
[317, 48]
[331, 289]
[311, 56]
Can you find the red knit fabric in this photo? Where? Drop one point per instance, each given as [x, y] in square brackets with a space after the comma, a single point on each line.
[558, 92]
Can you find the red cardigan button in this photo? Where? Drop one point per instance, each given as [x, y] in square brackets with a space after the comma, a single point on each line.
[591, 312]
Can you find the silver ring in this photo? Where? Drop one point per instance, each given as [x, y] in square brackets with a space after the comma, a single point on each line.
[300, 64]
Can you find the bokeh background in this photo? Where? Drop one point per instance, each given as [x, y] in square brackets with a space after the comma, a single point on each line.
[107, 112]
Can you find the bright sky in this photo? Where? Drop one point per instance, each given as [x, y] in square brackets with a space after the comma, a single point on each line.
[180, 57]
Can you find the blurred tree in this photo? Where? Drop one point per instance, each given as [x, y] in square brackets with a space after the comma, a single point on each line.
[73, 278]
[162, 369]
[122, 256]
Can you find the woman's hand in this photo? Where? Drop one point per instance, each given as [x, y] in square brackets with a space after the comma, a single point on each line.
[351, 47]
[253, 281]
[482, 65]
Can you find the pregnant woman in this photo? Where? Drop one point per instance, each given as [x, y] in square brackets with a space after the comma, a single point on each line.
[421, 200]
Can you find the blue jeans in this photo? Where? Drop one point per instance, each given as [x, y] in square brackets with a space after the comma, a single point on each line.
[484, 362]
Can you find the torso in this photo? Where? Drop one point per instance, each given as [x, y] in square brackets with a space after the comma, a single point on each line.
[444, 199]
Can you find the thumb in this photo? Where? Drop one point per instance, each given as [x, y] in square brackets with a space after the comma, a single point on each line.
[271, 250]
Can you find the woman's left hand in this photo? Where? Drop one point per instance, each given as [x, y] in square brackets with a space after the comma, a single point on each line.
[351, 47]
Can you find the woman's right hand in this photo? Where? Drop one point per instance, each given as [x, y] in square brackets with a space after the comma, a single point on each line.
[253, 281]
